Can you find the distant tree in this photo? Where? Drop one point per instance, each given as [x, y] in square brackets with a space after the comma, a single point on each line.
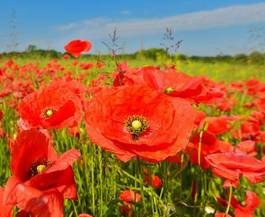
[152, 53]
[241, 58]
[31, 48]
[256, 58]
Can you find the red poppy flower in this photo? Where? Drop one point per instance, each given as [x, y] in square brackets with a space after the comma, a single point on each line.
[219, 125]
[76, 47]
[35, 164]
[248, 147]
[129, 196]
[86, 65]
[84, 215]
[232, 165]
[57, 105]
[155, 181]
[252, 202]
[209, 145]
[35, 203]
[171, 82]
[138, 121]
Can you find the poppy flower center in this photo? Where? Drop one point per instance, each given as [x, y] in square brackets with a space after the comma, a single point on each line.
[136, 125]
[49, 113]
[38, 168]
[41, 168]
[169, 90]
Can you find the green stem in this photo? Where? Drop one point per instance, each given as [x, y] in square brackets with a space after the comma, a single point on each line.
[101, 181]
[199, 148]
[229, 200]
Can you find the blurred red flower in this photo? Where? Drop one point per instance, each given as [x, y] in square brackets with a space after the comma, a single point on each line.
[247, 146]
[134, 121]
[76, 47]
[209, 145]
[129, 196]
[84, 215]
[219, 125]
[252, 202]
[155, 181]
[232, 165]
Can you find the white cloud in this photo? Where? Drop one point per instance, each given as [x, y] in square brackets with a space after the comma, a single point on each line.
[222, 17]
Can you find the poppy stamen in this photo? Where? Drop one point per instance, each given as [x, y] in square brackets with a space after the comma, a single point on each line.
[38, 167]
[41, 168]
[136, 125]
[169, 90]
[49, 113]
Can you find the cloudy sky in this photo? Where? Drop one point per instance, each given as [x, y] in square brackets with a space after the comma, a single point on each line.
[207, 27]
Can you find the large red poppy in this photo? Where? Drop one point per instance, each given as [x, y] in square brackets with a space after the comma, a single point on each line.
[134, 121]
[35, 164]
[232, 165]
[57, 105]
[76, 47]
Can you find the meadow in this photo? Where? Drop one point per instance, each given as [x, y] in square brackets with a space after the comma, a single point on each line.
[157, 188]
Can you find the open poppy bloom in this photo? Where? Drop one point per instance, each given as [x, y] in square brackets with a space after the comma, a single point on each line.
[232, 165]
[132, 121]
[57, 105]
[171, 82]
[37, 171]
[76, 47]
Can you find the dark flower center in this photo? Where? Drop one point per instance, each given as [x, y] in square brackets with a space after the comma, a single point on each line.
[38, 167]
[169, 90]
[136, 125]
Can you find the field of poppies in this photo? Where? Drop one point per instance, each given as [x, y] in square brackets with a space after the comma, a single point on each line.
[95, 137]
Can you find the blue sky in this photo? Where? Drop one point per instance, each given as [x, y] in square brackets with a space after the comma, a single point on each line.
[207, 27]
